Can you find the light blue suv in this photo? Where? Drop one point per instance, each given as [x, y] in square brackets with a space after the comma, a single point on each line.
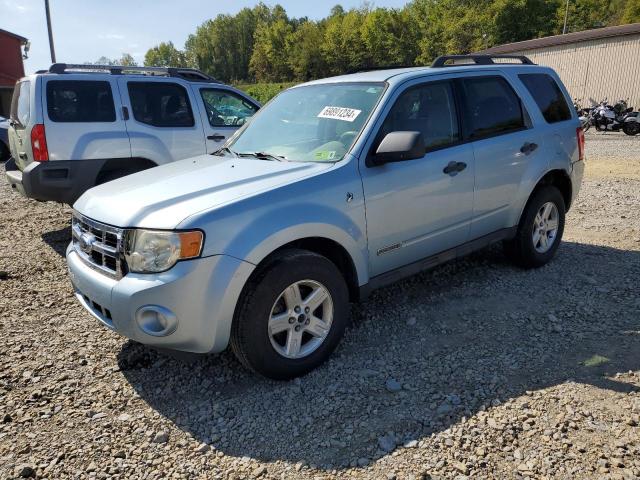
[335, 188]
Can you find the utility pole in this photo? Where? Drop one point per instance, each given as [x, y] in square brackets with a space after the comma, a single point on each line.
[566, 16]
[53, 52]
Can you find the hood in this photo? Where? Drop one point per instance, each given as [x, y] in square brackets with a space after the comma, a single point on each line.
[162, 197]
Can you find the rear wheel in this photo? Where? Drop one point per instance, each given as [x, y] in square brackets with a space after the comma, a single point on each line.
[540, 229]
[291, 316]
[631, 128]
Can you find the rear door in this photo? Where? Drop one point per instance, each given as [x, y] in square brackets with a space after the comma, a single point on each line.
[222, 112]
[162, 122]
[19, 127]
[504, 146]
[82, 117]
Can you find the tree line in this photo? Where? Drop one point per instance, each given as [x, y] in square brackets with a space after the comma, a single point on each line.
[264, 44]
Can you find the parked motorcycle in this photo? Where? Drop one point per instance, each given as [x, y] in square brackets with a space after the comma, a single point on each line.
[583, 114]
[606, 117]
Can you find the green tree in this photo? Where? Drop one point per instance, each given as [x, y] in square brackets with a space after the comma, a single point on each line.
[269, 60]
[389, 38]
[303, 49]
[165, 55]
[517, 20]
[127, 60]
[343, 47]
[631, 12]
[451, 26]
[586, 14]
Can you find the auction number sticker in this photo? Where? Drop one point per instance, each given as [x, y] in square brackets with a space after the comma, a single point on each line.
[340, 113]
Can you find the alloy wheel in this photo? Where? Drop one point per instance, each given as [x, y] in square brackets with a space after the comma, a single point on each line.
[545, 227]
[300, 319]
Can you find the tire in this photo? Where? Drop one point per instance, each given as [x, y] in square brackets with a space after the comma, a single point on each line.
[631, 128]
[263, 302]
[522, 250]
[4, 152]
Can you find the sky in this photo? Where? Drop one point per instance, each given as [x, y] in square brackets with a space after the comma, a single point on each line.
[85, 30]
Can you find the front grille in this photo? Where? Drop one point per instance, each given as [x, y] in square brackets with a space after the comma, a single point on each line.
[99, 245]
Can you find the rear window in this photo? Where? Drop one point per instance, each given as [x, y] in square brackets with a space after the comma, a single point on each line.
[493, 108]
[21, 103]
[548, 97]
[80, 101]
[160, 104]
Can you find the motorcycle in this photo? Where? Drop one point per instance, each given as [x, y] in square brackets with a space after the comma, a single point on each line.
[583, 114]
[606, 117]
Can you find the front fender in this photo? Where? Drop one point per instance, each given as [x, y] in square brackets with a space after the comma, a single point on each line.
[329, 205]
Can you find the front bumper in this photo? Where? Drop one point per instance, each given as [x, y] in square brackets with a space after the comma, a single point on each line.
[200, 293]
[56, 180]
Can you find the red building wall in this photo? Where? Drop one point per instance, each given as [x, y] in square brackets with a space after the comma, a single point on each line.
[11, 67]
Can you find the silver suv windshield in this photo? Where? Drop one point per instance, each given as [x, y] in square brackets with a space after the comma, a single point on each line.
[314, 123]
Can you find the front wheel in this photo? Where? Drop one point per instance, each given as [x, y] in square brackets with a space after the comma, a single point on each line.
[631, 128]
[540, 229]
[291, 316]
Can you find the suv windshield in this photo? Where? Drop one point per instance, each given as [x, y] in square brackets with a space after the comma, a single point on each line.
[315, 123]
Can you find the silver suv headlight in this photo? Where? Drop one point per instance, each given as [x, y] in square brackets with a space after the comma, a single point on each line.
[153, 251]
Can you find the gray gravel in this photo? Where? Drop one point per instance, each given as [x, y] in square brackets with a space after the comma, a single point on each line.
[474, 370]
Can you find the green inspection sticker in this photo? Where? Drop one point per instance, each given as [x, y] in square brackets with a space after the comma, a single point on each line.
[325, 155]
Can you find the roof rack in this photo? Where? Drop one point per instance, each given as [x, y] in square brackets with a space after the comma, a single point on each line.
[184, 73]
[459, 60]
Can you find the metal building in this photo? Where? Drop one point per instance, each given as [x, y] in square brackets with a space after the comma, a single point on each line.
[593, 64]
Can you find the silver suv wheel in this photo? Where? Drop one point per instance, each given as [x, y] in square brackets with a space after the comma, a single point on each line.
[300, 319]
[545, 227]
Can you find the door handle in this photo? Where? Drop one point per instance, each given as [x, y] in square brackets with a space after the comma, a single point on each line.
[22, 155]
[527, 148]
[216, 137]
[125, 113]
[453, 168]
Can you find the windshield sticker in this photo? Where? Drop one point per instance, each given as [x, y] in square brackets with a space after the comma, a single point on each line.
[340, 113]
[325, 155]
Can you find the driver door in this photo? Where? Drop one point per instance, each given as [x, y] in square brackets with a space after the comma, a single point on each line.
[419, 208]
[222, 112]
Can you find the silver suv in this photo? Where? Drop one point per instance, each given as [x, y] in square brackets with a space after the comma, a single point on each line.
[77, 126]
[336, 187]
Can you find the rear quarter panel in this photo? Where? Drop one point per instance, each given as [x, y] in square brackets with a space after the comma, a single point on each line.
[558, 141]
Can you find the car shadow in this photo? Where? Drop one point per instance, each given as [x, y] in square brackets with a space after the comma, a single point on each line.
[458, 339]
[58, 240]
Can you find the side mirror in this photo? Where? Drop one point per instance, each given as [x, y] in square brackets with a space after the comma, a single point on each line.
[399, 146]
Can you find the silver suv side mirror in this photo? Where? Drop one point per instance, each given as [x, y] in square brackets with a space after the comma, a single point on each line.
[397, 147]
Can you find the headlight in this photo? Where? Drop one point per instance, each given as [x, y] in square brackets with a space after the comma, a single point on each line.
[152, 251]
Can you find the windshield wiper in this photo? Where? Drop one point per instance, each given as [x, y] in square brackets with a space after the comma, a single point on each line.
[263, 156]
[222, 150]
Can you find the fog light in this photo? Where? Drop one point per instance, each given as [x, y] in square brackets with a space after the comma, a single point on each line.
[156, 320]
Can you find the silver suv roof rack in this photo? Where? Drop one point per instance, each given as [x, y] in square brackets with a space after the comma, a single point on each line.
[185, 73]
[467, 60]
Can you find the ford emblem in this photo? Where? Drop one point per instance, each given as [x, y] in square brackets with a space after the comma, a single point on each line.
[86, 242]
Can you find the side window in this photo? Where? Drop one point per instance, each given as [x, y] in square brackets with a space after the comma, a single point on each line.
[548, 97]
[21, 103]
[160, 104]
[80, 101]
[429, 109]
[492, 107]
[226, 109]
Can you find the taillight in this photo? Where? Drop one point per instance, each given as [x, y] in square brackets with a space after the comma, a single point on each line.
[39, 143]
[580, 134]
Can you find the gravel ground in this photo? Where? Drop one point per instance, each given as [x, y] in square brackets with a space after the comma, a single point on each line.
[476, 369]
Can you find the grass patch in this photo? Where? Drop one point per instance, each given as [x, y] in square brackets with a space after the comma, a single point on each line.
[263, 92]
[595, 360]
